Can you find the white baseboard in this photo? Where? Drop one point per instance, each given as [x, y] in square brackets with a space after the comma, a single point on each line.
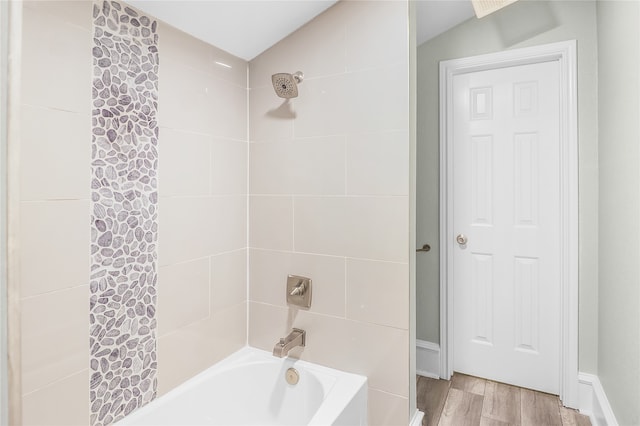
[594, 402]
[427, 359]
[416, 420]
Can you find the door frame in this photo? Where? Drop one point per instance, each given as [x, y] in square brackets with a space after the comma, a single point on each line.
[565, 54]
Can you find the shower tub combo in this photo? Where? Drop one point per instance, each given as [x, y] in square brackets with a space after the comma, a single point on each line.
[252, 387]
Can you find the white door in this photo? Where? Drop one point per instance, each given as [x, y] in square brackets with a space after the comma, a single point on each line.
[506, 222]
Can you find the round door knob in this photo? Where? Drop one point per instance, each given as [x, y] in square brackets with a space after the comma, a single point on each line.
[461, 239]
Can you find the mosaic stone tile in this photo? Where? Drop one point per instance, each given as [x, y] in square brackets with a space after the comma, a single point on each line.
[124, 212]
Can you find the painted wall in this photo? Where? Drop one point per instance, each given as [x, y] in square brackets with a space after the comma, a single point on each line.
[329, 185]
[619, 226]
[202, 166]
[522, 24]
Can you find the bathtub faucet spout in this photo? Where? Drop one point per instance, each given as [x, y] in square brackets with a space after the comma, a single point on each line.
[297, 337]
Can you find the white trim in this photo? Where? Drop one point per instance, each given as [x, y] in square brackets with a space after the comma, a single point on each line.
[427, 359]
[565, 54]
[416, 419]
[594, 402]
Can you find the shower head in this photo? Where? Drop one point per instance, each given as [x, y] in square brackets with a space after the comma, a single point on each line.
[286, 85]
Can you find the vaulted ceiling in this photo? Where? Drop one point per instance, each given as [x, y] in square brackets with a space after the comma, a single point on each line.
[246, 28]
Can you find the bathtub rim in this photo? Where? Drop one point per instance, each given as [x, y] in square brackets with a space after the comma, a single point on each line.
[337, 398]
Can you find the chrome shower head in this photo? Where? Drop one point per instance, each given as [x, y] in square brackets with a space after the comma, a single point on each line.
[286, 85]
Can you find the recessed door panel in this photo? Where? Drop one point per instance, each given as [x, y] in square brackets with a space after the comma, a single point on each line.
[526, 179]
[482, 178]
[526, 303]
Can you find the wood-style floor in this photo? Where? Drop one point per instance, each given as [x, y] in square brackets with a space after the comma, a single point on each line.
[470, 401]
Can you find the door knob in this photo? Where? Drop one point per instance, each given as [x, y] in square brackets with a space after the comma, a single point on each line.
[461, 239]
[425, 247]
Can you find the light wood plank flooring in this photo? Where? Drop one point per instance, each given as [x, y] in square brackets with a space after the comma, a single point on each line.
[470, 401]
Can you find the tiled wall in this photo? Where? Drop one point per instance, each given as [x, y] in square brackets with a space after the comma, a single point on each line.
[329, 189]
[201, 304]
[55, 155]
[202, 300]
[329, 199]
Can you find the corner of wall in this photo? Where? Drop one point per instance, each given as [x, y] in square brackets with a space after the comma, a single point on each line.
[594, 402]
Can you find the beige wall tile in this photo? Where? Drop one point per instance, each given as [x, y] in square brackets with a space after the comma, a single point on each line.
[354, 103]
[183, 294]
[184, 165]
[324, 36]
[271, 222]
[271, 118]
[184, 229]
[385, 409]
[206, 342]
[54, 73]
[184, 106]
[191, 228]
[55, 336]
[181, 48]
[388, 154]
[54, 245]
[268, 323]
[201, 103]
[321, 225]
[203, 209]
[313, 166]
[229, 222]
[229, 167]
[360, 227]
[229, 113]
[325, 108]
[373, 105]
[63, 403]
[269, 270]
[228, 67]
[378, 352]
[228, 280]
[54, 154]
[73, 12]
[377, 292]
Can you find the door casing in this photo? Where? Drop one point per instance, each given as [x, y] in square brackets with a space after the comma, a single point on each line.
[565, 54]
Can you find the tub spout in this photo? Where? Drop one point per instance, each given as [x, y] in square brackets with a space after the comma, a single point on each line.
[297, 337]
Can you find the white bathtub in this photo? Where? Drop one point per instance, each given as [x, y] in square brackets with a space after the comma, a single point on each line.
[249, 388]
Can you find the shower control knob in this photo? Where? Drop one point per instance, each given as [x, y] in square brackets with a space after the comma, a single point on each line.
[461, 239]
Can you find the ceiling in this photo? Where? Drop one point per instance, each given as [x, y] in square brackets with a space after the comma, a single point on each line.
[246, 28]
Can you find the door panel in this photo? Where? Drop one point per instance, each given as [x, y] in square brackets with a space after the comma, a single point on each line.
[506, 201]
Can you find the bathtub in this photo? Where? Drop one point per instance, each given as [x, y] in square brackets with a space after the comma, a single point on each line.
[249, 388]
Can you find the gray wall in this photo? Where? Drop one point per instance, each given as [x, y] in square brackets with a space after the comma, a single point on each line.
[525, 23]
[619, 227]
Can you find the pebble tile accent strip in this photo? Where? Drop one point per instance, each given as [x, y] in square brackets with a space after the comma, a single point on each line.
[124, 212]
